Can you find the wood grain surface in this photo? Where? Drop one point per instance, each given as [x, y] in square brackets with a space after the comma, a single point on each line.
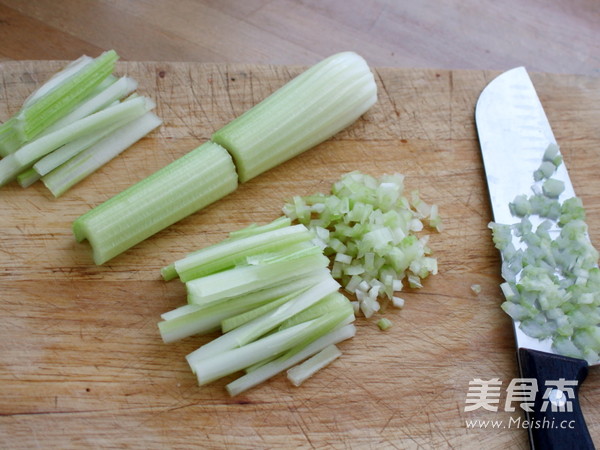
[547, 36]
[81, 360]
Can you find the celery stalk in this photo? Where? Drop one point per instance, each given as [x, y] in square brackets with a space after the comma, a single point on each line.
[53, 105]
[262, 324]
[27, 178]
[9, 138]
[266, 371]
[300, 373]
[303, 113]
[73, 171]
[190, 183]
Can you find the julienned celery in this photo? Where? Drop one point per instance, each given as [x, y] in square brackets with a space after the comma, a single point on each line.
[278, 365]
[300, 373]
[188, 184]
[303, 113]
[308, 110]
[27, 155]
[94, 157]
[53, 105]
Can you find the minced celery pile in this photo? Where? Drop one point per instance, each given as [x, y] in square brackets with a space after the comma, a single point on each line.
[369, 227]
[552, 280]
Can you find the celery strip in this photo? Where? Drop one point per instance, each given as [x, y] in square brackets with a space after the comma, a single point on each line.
[266, 371]
[312, 107]
[27, 178]
[254, 229]
[53, 105]
[73, 171]
[115, 91]
[27, 155]
[230, 361]
[300, 373]
[262, 324]
[232, 253]
[243, 279]
[199, 319]
[188, 184]
[9, 138]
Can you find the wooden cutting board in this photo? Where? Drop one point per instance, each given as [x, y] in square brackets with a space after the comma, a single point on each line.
[82, 363]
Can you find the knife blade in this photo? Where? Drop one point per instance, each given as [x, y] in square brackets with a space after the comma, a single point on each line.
[514, 133]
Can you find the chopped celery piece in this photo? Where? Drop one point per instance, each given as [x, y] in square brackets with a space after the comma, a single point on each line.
[27, 155]
[188, 184]
[115, 91]
[199, 319]
[62, 98]
[27, 178]
[230, 361]
[261, 325]
[384, 324]
[302, 372]
[238, 280]
[232, 252]
[83, 164]
[276, 366]
[309, 109]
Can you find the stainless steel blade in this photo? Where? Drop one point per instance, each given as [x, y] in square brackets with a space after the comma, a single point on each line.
[514, 133]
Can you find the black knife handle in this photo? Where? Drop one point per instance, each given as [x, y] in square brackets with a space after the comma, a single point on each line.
[548, 428]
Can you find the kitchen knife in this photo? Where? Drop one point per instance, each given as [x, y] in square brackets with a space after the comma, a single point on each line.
[514, 134]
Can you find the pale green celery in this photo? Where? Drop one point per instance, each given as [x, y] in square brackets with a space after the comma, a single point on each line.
[243, 279]
[384, 323]
[188, 320]
[27, 155]
[270, 369]
[233, 252]
[300, 373]
[58, 78]
[278, 343]
[254, 229]
[91, 159]
[185, 186]
[9, 138]
[62, 98]
[61, 155]
[331, 302]
[115, 91]
[169, 272]
[263, 324]
[309, 109]
[27, 178]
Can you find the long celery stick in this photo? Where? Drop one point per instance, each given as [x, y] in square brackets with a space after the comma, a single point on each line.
[27, 155]
[230, 253]
[303, 113]
[243, 279]
[300, 373]
[9, 138]
[266, 371]
[188, 184]
[261, 325]
[115, 91]
[231, 361]
[94, 157]
[28, 177]
[199, 319]
[33, 119]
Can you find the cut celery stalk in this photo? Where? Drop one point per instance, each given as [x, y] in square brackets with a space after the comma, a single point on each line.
[300, 373]
[231, 361]
[115, 91]
[199, 319]
[58, 78]
[61, 155]
[62, 98]
[27, 178]
[254, 229]
[270, 369]
[9, 138]
[303, 113]
[27, 155]
[253, 330]
[188, 184]
[76, 169]
[232, 252]
[243, 279]
[331, 302]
